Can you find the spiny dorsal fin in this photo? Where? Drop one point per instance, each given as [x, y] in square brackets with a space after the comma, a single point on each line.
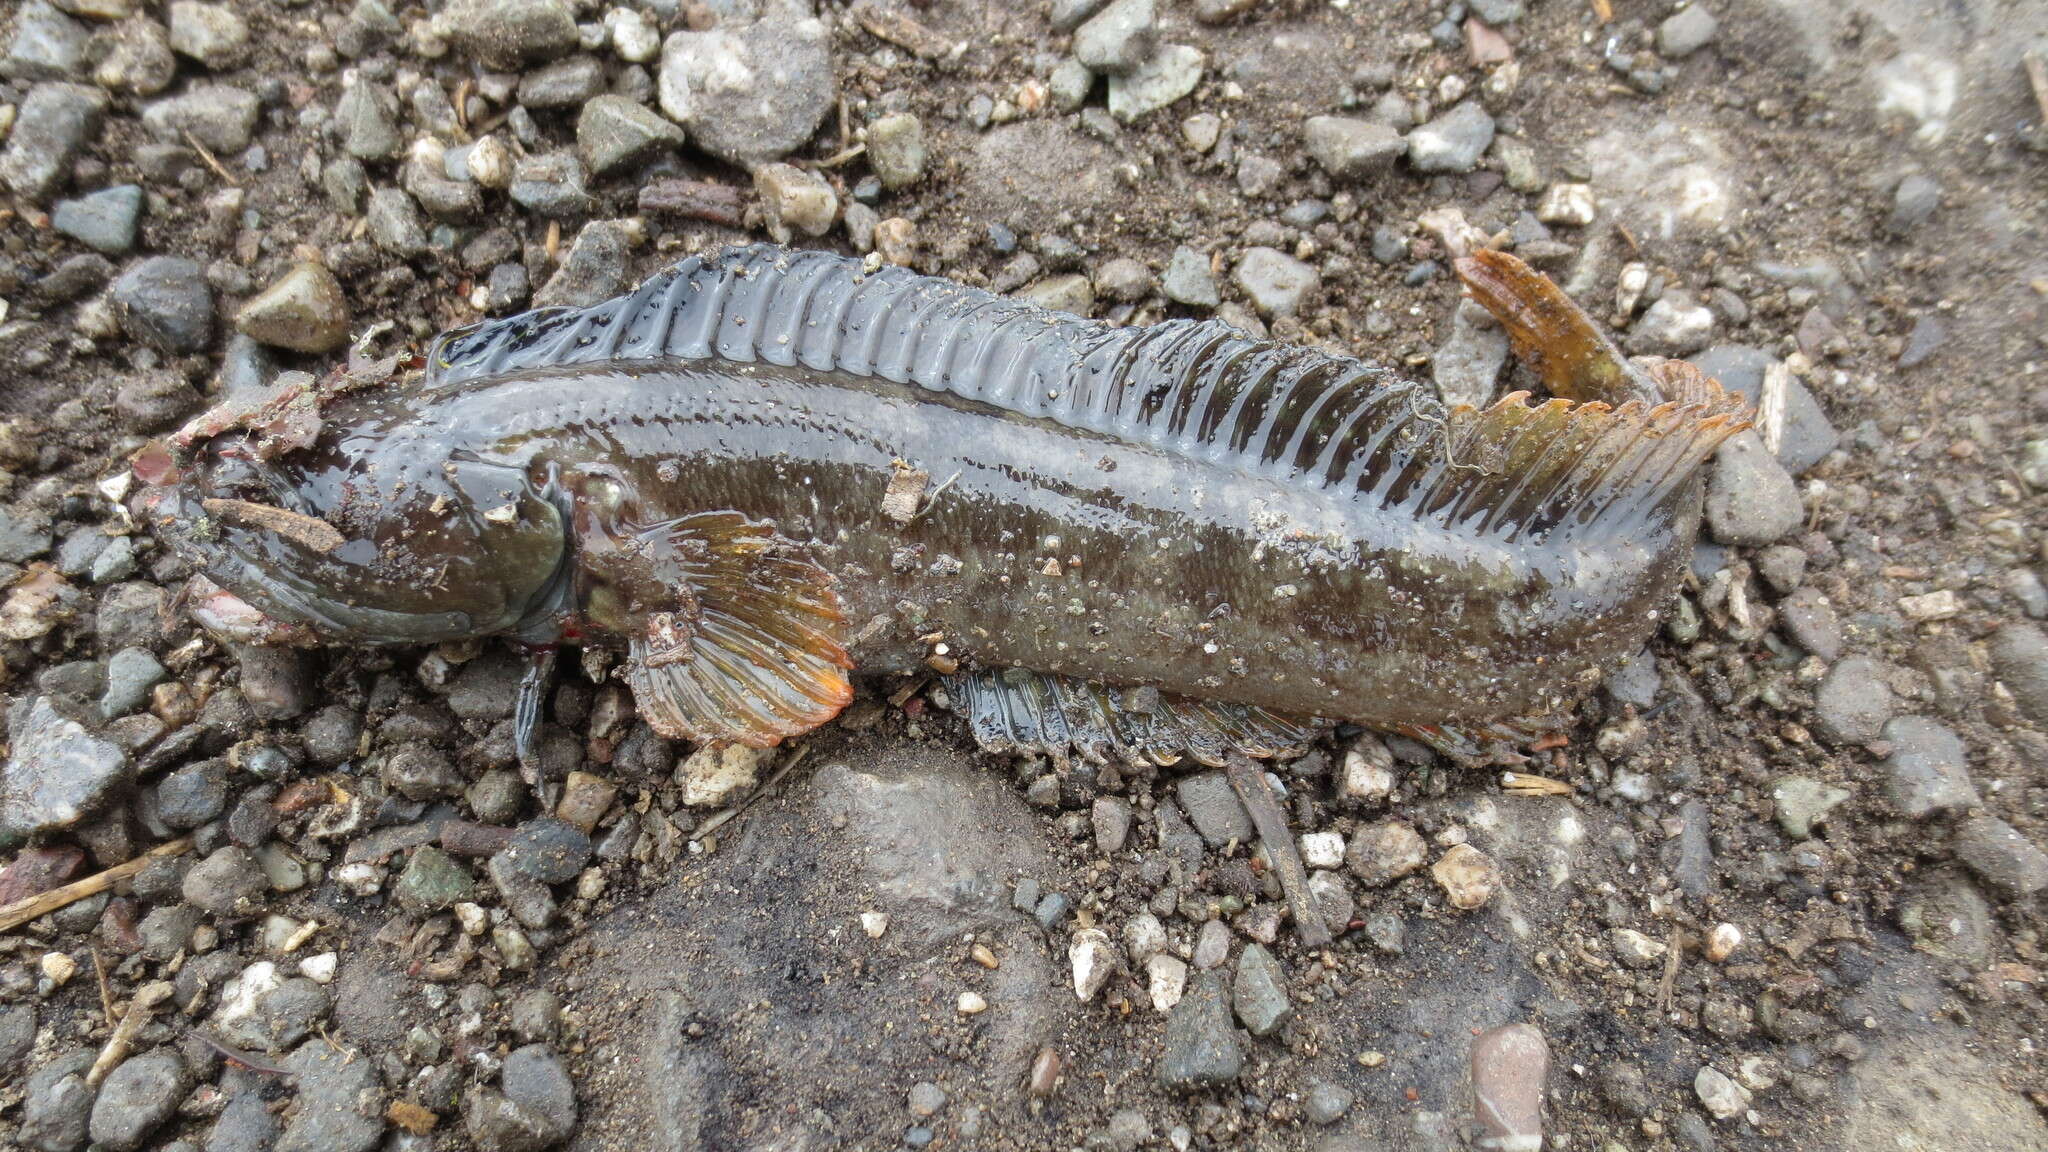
[1202, 390]
[1018, 710]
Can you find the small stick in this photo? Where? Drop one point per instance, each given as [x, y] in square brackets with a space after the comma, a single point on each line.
[210, 161]
[1248, 780]
[24, 910]
[1669, 984]
[99, 970]
[139, 1011]
[247, 1060]
[1603, 11]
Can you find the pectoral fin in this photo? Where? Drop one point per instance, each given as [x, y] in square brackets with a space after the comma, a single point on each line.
[733, 636]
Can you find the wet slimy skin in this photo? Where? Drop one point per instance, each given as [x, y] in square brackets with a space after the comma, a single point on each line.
[760, 471]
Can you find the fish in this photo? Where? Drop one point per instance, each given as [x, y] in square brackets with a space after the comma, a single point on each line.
[765, 471]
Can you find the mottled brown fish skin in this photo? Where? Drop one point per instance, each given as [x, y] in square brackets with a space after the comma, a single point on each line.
[1124, 556]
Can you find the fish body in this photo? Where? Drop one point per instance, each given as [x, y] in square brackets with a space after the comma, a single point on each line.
[762, 470]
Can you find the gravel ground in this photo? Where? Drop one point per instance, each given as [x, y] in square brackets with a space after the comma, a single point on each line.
[1793, 899]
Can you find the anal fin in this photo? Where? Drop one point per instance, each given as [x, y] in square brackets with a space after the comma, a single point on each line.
[1019, 710]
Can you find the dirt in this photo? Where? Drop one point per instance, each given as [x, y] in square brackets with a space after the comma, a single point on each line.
[720, 990]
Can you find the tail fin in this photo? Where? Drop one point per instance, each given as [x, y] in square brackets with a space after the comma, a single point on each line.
[1551, 334]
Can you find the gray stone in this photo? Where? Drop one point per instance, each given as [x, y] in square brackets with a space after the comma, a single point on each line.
[366, 120]
[1123, 279]
[228, 883]
[1808, 617]
[1913, 203]
[57, 774]
[1853, 701]
[1259, 992]
[1214, 808]
[549, 850]
[105, 220]
[209, 33]
[164, 301]
[1326, 1103]
[1278, 284]
[1189, 281]
[507, 33]
[1675, 325]
[1212, 945]
[1751, 500]
[245, 1125]
[1171, 73]
[1928, 769]
[1802, 802]
[259, 1011]
[896, 150]
[535, 1015]
[432, 880]
[1070, 84]
[220, 117]
[1998, 854]
[1468, 364]
[1119, 38]
[17, 1034]
[1071, 293]
[563, 84]
[56, 1105]
[551, 184]
[193, 795]
[305, 311]
[597, 267]
[1379, 854]
[1349, 148]
[167, 930]
[1686, 31]
[1454, 141]
[1111, 817]
[614, 133]
[47, 44]
[136, 58]
[131, 673]
[395, 224]
[2019, 655]
[23, 536]
[751, 92]
[1202, 1049]
[341, 1101]
[1498, 12]
[1068, 15]
[137, 1097]
[51, 127]
[527, 899]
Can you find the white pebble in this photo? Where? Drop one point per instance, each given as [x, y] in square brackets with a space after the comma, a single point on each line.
[1093, 958]
[1723, 941]
[319, 969]
[1166, 978]
[1322, 849]
[473, 918]
[58, 968]
[971, 1004]
[874, 924]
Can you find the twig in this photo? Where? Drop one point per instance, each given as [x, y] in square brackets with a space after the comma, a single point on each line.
[1603, 11]
[139, 1011]
[1669, 983]
[247, 1060]
[1248, 780]
[842, 156]
[42, 904]
[212, 163]
[99, 971]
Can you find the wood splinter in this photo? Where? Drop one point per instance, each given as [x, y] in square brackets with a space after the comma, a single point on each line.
[43, 903]
[1248, 780]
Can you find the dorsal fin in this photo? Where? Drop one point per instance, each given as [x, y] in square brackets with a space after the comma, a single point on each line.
[1202, 390]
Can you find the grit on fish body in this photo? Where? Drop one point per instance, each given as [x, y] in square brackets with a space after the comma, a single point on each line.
[762, 470]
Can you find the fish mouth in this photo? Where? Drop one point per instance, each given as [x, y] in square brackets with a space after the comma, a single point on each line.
[246, 600]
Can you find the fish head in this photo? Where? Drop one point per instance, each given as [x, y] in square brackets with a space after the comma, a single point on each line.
[354, 536]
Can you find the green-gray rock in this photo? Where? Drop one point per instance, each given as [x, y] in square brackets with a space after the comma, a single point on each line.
[614, 133]
[1803, 802]
[304, 311]
[432, 880]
